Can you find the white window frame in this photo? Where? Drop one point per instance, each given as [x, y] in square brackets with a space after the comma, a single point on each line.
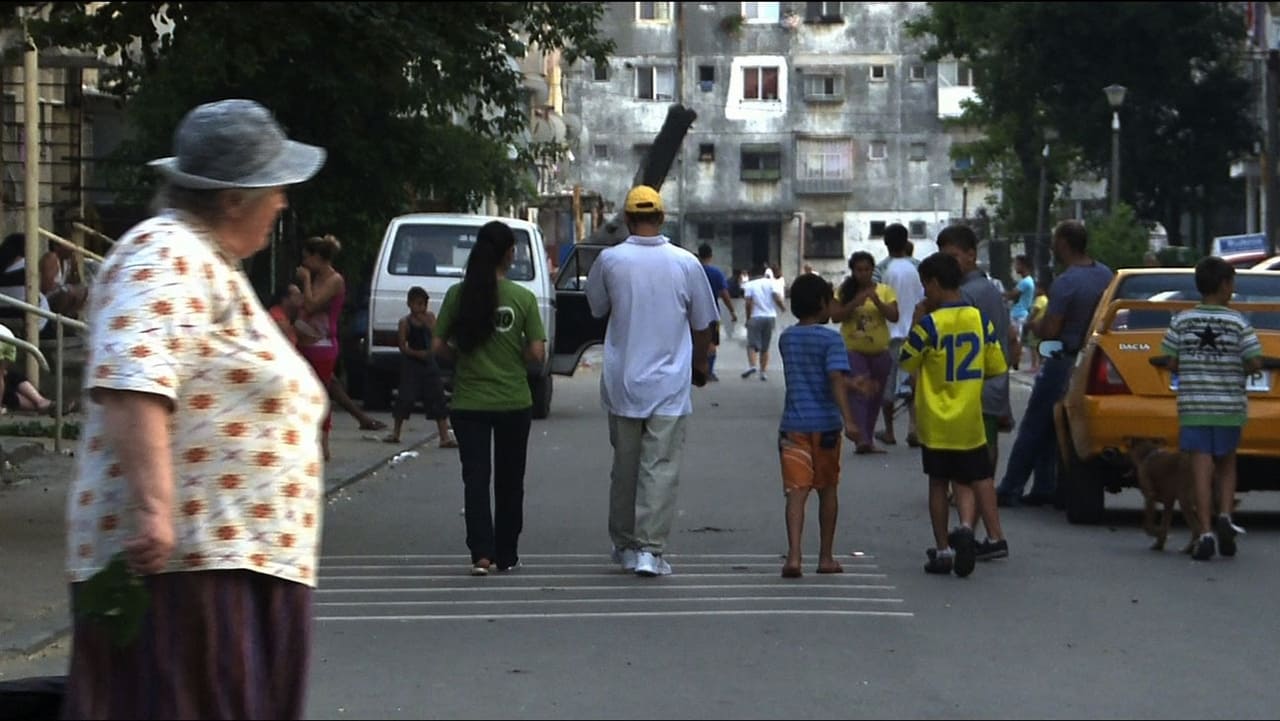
[878, 150]
[964, 75]
[884, 73]
[759, 69]
[656, 72]
[824, 159]
[811, 79]
[825, 10]
[662, 12]
[762, 13]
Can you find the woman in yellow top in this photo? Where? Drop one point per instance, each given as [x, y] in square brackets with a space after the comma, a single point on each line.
[1037, 312]
[864, 309]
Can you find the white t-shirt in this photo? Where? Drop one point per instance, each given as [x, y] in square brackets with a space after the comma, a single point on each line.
[903, 275]
[760, 292]
[654, 293]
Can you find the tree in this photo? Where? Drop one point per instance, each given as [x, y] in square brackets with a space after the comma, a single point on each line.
[411, 100]
[1187, 115]
[1118, 239]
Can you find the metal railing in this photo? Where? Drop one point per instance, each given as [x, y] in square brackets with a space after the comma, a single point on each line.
[62, 321]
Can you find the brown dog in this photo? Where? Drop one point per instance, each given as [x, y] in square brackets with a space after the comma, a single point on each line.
[1165, 477]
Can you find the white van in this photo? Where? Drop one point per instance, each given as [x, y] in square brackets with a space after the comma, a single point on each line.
[430, 250]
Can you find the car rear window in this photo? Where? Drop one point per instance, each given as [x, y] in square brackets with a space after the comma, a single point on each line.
[1182, 286]
[441, 251]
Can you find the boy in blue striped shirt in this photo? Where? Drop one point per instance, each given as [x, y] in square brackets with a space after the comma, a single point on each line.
[816, 368]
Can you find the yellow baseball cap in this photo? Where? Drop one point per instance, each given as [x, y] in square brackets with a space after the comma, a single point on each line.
[643, 199]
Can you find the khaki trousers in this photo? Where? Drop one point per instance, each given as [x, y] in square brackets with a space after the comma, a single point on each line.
[646, 471]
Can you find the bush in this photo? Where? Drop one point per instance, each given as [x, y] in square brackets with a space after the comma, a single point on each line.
[1118, 238]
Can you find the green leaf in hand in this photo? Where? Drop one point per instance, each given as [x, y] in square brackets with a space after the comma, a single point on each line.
[116, 598]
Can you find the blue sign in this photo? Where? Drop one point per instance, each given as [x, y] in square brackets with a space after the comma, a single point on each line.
[1249, 243]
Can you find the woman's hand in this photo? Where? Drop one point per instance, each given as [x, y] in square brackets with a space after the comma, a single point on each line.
[303, 275]
[149, 548]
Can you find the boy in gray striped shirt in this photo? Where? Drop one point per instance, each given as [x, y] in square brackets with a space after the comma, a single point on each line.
[1213, 350]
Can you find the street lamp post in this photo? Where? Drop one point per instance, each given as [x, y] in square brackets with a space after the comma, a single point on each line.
[1039, 253]
[933, 197]
[1115, 98]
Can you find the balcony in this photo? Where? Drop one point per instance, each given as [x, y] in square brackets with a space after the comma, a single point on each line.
[823, 186]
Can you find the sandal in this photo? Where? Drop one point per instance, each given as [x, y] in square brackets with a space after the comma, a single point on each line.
[390, 439]
[868, 450]
[449, 442]
[833, 567]
[373, 425]
[886, 439]
[789, 571]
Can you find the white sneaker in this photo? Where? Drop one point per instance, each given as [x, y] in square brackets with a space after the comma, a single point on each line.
[764, 376]
[647, 564]
[625, 557]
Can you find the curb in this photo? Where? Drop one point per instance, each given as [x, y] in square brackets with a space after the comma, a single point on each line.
[33, 642]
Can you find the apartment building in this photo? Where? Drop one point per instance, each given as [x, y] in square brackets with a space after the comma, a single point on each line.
[818, 124]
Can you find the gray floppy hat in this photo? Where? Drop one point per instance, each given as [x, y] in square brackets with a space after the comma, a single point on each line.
[236, 144]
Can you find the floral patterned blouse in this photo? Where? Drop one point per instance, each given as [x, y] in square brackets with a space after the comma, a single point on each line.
[172, 314]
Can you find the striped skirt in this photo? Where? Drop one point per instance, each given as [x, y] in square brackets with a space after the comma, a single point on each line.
[213, 645]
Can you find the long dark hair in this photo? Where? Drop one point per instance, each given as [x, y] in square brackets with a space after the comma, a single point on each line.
[849, 287]
[478, 301]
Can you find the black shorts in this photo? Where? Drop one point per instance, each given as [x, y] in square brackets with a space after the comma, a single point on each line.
[715, 332]
[958, 466]
[420, 382]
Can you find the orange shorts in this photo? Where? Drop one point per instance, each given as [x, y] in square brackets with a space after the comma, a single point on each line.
[809, 460]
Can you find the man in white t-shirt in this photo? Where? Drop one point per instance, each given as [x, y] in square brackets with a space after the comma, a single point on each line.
[660, 310]
[763, 301]
[902, 275]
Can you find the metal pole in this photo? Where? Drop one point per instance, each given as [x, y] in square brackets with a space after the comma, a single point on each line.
[1042, 204]
[31, 195]
[1270, 193]
[57, 391]
[1115, 159]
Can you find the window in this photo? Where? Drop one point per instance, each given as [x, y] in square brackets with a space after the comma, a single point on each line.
[760, 84]
[877, 228]
[706, 231]
[600, 151]
[917, 73]
[823, 87]
[965, 75]
[707, 152]
[441, 251]
[879, 73]
[761, 161]
[706, 77]
[822, 13]
[825, 159]
[600, 72]
[962, 164]
[655, 83]
[879, 150]
[919, 151]
[825, 241]
[654, 12]
[761, 12]
[917, 229]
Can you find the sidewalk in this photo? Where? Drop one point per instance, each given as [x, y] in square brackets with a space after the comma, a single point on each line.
[33, 589]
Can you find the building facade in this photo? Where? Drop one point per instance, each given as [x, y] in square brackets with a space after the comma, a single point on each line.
[818, 125]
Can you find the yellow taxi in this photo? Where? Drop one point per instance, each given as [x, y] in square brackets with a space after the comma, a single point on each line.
[1121, 391]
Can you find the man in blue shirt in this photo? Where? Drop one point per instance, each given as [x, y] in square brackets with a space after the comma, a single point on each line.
[1073, 297]
[719, 289]
[1023, 295]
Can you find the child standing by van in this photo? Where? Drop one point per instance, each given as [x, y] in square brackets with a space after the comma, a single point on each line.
[817, 409]
[419, 374]
[1212, 349]
[952, 349]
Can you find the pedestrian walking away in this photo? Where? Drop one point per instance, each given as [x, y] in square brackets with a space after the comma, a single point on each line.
[490, 327]
[720, 289]
[763, 301]
[901, 273]
[1073, 298]
[816, 412]
[951, 350]
[199, 462]
[660, 310]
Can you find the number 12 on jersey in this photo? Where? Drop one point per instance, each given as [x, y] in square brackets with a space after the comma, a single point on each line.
[965, 348]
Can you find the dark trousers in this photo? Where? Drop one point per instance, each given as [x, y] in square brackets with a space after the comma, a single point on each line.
[493, 536]
[1035, 448]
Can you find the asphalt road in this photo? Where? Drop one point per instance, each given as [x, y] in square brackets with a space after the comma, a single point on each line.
[1078, 622]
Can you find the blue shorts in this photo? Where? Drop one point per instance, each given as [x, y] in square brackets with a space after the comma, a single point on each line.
[1217, 441]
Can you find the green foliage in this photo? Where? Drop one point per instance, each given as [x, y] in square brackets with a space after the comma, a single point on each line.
[39, 429]
[417, 103]
[1118, 238]
[1187, 115]
[115, 598]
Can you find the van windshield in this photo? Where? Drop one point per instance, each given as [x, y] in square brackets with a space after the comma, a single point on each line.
[436, 250]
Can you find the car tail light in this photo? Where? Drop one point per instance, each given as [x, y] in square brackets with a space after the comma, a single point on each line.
[386, 338]
[1104, 379]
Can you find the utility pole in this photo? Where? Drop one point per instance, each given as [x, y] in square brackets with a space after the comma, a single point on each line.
[31, 195]
[1269, 190]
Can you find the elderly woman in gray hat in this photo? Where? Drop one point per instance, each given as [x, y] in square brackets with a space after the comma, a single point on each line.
[200, 467]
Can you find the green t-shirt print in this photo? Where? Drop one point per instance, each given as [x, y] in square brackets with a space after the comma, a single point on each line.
[494, 377]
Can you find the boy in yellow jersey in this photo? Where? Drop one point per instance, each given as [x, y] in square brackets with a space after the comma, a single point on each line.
[950, 350]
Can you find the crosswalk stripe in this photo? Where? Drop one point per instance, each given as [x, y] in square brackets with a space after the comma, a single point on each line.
[621, 614]
[631, 588]
[466, 558]
[597, 566]
[429, 576]
[692, 599]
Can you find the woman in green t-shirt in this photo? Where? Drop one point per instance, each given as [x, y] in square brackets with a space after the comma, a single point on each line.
[491, 328]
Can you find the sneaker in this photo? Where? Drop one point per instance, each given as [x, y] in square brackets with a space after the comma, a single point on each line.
[649, 564]
[961, 541]
[1204, 549]
[938, 564]
[625, 557]
[510, 567]
[481, 567]
[747, 373]
[989, 549]
[713, 378]
[764, 376]
[904, 392]
[1226, 531]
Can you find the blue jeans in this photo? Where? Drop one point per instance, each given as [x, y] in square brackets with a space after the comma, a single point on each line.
[1036, 446]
